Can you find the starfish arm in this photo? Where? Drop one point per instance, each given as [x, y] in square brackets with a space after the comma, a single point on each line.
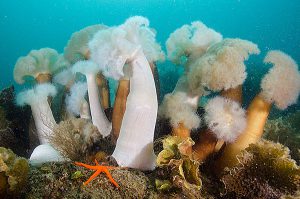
[111, 178]
[86, 165]
[92, 177]
[97, 163]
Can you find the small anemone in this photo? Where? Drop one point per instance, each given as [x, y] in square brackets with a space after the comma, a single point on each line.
[42, 61]
[225, 118]
[265, 170]
[176, 108]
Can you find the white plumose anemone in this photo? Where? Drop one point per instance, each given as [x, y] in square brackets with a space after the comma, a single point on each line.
[282, 84]
[112, 47]
[222, 66]
[65, 77]
[190, 41]
[42, 61]
[77, 48]
[225, 118]
[178, 109]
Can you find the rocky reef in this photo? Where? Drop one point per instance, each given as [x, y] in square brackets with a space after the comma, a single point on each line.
[56, 180]
[14, 123]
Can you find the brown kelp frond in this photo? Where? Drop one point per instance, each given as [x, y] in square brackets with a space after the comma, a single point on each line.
[75, 138]
[178, 171]
[265, 170]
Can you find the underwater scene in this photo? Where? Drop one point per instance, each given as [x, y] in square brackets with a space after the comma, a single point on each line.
[150, 99]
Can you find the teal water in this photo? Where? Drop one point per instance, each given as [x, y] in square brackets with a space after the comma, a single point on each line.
[34, 24]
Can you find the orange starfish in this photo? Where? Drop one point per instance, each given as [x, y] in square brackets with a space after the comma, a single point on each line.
[99, 169]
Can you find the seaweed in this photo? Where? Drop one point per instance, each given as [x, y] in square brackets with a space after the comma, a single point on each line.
[177, 172]
[13, 174]
[265, 170]
[80, 135]
[285, 130]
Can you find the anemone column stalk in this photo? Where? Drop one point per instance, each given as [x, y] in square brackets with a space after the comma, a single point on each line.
[98, 116]
[135, 144]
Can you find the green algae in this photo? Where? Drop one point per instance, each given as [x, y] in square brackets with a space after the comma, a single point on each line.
[178, 172]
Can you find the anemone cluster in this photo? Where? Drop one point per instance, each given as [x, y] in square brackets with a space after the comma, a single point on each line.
[126, 55]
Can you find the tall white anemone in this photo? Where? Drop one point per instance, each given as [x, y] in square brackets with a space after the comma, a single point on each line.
[99, 119]
[133, 43]
[37, 98]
